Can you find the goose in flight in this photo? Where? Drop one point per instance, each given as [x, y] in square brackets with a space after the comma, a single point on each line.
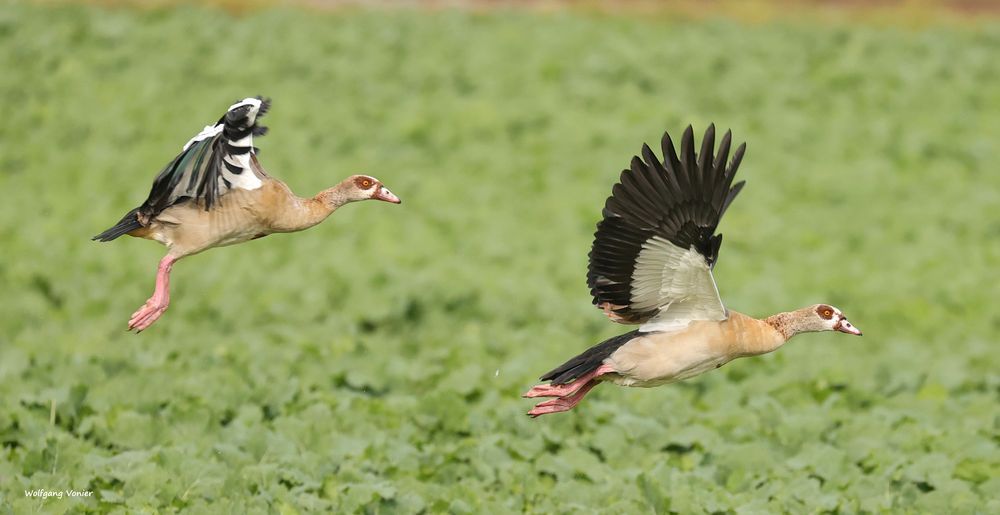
[215, 193]
[651, 264]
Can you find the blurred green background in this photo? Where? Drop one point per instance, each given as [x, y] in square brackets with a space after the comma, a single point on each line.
[374, 363]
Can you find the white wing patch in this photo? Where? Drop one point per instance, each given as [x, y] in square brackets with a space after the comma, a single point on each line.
[677, 281]
[247, 179]
[210, 131]
[213, 130]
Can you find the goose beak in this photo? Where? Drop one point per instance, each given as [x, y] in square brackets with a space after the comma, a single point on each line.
[845, 327]
[383, 194]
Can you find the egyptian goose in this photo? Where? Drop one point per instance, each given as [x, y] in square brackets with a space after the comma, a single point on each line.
[215, 193]
[651, 264]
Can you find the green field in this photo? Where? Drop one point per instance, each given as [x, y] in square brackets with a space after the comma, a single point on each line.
[374, 363]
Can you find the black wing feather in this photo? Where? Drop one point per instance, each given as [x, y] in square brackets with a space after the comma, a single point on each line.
[681, 199]
[196, 172]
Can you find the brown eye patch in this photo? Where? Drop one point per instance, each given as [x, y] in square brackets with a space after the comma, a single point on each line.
[825, 312]
[363, 182]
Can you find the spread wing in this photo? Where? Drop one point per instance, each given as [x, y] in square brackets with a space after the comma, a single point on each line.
[653, 253]
[211, 163]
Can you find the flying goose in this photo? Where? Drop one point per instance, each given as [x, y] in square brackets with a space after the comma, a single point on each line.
[215, 193]
[651, 264]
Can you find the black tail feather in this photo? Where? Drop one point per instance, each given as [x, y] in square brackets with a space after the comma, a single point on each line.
[589, 360]
[127, 224]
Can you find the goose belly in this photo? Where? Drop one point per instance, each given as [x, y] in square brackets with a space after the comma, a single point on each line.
[191, 230]
[232, 238]
[655, 360]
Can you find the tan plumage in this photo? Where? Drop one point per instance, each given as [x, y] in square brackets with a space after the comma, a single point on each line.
[243, 215]
[215, 193]
[651, 264]
[660, 358]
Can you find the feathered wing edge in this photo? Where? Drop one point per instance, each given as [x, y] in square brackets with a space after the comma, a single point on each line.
[197, 171]
[680, 199]
[127, 224]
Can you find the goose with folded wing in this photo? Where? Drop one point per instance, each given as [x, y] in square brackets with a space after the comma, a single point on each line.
[651, 264]
[215, 193]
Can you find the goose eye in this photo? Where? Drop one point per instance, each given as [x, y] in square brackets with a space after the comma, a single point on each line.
[827, 313]
[365, 183]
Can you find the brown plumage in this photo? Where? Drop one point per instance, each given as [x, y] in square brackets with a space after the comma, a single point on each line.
[651, 264]
[215, 193]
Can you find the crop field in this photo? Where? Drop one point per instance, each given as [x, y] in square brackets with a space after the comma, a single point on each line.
[375, 362]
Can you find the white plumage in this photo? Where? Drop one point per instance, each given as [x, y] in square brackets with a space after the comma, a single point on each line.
[246, 179]
[210, 131]
[676, 281]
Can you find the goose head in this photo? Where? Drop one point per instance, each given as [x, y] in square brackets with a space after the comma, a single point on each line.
[365, 187]
[824, 317]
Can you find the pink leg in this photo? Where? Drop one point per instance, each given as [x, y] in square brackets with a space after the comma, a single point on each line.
[562, 390]
[567, 395]
[157, 304]
[562, 403]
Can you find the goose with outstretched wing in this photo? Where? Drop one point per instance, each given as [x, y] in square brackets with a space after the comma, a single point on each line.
[651, 264]
[216, 193]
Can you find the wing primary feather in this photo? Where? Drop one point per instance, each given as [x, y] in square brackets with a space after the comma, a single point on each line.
[732, 195]
[734, 165]
[723, 152]
[646, 186]
[719, 170]
[641, 190]
[673, 166]
[705, 162]
[689, 166]
[662, 181]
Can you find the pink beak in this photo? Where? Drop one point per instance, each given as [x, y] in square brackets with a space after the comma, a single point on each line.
[845, 327]
[383, 193]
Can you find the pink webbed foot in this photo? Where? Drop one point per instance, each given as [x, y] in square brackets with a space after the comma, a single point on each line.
[553, 390]
[563, 390]
[157, 304]
[146, 315]
[567, 395]
[562, 403]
